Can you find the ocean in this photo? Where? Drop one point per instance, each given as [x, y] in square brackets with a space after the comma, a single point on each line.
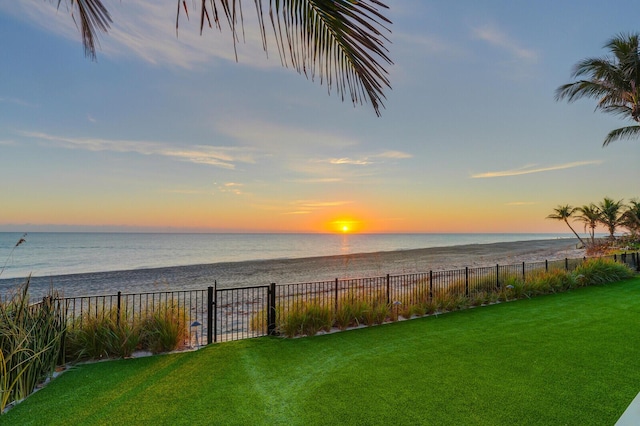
[52, 254]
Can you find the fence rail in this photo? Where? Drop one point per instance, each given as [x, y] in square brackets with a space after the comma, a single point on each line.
[225, 314]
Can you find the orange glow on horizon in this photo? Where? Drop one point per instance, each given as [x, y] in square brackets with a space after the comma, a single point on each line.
[344, 226]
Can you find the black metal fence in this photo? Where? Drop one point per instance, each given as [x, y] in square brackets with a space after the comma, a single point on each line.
[226, 314]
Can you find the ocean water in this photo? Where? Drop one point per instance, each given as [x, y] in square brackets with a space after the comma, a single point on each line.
[52, 254]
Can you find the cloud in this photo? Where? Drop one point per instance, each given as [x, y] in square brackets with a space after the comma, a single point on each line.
[520, 203]
[321, 204]
[16, 101]
[393, 154]
[224, 157]
[425, 44]
[147, 30]
[274, 136]
[232, 187]
[529, 169]
[349, 161]
[497, 38]
[365, 161]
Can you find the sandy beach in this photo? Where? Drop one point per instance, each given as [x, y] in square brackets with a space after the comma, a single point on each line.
[287, 271]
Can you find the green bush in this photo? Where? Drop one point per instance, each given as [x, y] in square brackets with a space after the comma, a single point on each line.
[600, 271]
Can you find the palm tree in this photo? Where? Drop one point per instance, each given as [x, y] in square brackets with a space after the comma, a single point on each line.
[611, 214]
[339, 41]
[564, 213]
[590, 216]
[614, 81]
[631, 217]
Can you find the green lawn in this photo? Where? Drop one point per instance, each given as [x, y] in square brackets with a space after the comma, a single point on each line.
[571, 358]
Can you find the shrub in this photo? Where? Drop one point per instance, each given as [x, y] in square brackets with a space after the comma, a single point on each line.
[30, 343]
[600, 271]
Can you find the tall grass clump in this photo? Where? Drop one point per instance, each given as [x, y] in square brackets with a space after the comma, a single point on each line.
[600, 271]
[101, 334]
[30, 343]
[109, 334]
[351, 310]
[304, 318]
[164, 329]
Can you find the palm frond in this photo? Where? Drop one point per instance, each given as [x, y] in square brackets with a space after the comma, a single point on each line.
[340, 41]
[93, 17]
[622, 133]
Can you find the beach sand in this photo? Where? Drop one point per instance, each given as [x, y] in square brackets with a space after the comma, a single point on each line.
[314, 269]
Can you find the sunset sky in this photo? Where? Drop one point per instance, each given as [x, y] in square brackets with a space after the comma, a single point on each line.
[171, 134]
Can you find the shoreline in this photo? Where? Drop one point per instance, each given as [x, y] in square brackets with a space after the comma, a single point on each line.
[297, 270]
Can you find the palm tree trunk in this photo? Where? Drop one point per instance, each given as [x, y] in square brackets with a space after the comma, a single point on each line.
[574, 232]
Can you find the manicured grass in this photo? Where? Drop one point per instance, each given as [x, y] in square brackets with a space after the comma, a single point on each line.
[569, 358]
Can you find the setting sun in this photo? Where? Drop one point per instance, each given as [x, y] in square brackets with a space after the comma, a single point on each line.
[344, 226]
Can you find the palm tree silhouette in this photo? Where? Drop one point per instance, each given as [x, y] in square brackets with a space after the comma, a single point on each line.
[614, 81]
[563, 213]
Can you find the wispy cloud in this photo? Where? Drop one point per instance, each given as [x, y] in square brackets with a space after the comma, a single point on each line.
[496, 37]
[370, 159]
[520, 203]
[232, 187]
[425, 44]
[532, 168]
[320, 204]
[268, 135]
[224, 157]
[348, 161]
[393, 154]
[310, 206]
[16, 101]
[146, 30]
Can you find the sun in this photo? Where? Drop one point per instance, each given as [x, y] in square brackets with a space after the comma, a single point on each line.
[344, 226]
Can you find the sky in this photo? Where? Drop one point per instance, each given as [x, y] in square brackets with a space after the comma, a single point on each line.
[166, 133]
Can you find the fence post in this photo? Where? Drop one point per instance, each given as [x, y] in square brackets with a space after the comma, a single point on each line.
[388, 293]
[271, 310]
[211, 309]
[466, 281]
[498, 275]
[546, 265]
[566, 264]
[118, 309]
[637, 262]
[430, 285]
[523, 271]
[336, 294]
[615, 257]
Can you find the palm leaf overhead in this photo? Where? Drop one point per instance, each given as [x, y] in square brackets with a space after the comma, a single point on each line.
[341, 42]
[614, 81]
[93, 17]
[622, 133]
